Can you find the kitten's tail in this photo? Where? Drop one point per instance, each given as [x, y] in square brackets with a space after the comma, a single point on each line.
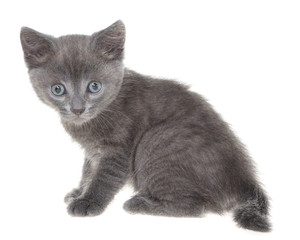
[252, 213]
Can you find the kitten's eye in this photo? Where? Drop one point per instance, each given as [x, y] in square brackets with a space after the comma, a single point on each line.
[58, 89]
[94, 87]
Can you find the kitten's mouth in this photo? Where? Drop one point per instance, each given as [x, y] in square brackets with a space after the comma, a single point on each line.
[74, 118]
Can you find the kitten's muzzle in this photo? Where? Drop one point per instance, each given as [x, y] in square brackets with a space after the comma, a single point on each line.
[77, 105]
[77, 111]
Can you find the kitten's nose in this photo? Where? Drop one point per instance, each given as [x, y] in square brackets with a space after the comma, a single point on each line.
[77, 111]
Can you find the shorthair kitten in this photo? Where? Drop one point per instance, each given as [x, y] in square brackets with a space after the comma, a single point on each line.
[177, 152]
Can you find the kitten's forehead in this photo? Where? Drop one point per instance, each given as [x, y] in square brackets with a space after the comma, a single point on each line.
[74, 43]
[74, 56]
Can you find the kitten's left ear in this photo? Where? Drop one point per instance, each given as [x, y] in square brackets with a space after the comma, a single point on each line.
[38, 48]
[109, 42]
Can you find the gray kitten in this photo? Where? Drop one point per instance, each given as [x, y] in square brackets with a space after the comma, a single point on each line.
[178, 153]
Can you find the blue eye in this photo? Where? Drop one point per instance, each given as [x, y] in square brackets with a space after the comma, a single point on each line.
[94, 87]
[58, 89]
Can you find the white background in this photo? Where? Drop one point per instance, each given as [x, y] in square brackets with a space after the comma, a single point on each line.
[243, 56]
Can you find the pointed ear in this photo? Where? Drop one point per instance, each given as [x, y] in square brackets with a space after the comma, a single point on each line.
[38, 48]
[109, 42]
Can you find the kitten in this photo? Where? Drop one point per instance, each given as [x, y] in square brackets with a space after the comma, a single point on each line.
[178, 153]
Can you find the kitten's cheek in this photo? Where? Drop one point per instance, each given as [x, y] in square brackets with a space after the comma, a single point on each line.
[84, 208]
[50, 104]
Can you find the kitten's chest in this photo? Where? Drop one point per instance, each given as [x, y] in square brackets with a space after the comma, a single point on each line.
[87, 136]
[96, 135]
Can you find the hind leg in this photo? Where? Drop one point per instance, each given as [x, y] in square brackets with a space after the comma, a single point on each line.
[165, 176]
[148, 205]
[166, 190]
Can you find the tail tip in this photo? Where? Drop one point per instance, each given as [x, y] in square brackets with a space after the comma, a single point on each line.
[253, 221]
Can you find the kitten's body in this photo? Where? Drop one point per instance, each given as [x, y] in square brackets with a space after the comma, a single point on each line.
[168, 142]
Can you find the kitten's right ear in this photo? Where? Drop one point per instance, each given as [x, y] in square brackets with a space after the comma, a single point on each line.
[38, 48]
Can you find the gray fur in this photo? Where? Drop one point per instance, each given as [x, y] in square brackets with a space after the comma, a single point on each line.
[167, 141]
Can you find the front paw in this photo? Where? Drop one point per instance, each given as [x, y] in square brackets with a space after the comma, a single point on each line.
[84, 207]
[75, 193]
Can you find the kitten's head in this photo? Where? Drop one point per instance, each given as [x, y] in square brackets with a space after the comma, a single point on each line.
[77, 75]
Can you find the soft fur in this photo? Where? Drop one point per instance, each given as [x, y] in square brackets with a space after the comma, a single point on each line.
[178, 153]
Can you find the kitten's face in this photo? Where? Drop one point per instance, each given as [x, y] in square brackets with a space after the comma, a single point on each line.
[77, 75]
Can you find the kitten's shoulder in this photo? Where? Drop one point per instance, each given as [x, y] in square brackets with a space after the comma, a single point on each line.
[145, 81]
[159, 91]
[131, 76]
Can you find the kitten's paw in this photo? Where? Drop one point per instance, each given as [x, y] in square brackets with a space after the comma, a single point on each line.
[137, 204]
[75, 193]
[84, 208]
